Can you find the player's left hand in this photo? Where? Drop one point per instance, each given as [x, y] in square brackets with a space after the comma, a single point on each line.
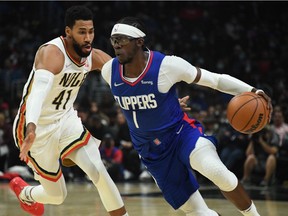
[269, 102]
[183, 103]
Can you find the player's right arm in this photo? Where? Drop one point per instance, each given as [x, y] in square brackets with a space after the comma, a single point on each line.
[49, 61]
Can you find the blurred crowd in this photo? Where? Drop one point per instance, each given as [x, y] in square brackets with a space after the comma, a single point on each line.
[247, 40]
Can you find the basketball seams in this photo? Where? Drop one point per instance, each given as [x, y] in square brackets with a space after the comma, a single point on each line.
[239, 108]
[246, 111]
[252, 116]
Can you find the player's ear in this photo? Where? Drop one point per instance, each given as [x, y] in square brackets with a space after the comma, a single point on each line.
[68, 31]
[140, 42]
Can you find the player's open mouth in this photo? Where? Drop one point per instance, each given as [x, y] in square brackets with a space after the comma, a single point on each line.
[88, 48]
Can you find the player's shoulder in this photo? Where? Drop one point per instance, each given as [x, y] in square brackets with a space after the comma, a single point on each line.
[173, 60]
[50, 50]
[47, 54]
[172, 57]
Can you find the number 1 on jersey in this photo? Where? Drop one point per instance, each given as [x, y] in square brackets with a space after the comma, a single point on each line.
[135, 119]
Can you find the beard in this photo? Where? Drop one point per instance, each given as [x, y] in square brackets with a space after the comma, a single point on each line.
[77, 47]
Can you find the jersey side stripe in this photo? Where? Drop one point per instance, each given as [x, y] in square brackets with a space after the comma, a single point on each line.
[81, 141]
[20, 125]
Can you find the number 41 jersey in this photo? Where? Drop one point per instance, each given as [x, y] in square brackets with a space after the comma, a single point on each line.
[65, 86]
[149, 112]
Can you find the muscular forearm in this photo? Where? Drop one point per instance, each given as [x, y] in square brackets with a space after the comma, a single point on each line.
[223, 83]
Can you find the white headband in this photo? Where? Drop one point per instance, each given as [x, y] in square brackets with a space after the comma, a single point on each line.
[128, 30]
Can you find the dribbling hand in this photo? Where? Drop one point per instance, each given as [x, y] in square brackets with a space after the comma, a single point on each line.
[269, 102]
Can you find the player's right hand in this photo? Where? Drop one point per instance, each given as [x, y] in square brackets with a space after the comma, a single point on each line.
[28, 142]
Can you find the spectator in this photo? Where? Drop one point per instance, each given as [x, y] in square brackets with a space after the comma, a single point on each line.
[112, 157]
[6, 140]
[10, 165]
[281, 128]
[261, 155]
[279, 125]
[96, 127]
[94, 109]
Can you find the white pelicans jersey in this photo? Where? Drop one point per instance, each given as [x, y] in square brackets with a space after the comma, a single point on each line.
[65, 86]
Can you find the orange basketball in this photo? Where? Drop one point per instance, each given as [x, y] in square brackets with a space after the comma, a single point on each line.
[247, 112]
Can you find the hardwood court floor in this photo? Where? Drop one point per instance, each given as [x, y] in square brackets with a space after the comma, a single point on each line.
[144, 199]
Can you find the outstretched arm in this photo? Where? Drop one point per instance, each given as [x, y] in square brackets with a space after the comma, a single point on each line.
[230, 85]
[175, 69]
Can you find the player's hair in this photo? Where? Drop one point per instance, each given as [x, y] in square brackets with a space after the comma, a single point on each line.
[77, 12]
[133, 21]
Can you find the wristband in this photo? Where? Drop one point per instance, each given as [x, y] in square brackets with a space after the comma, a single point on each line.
[256, 91]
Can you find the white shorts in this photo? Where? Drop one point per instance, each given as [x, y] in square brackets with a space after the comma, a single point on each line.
[53, 141]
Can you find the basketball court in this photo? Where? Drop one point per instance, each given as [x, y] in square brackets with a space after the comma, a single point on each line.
[145, 199]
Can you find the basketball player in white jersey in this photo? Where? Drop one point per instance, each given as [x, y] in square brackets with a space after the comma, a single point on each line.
[47, 128]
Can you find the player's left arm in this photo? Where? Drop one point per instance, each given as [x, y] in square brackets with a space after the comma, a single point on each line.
[99, 58]
[175, 69]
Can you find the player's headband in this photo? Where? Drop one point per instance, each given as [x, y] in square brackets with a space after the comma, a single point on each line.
[128, 30]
